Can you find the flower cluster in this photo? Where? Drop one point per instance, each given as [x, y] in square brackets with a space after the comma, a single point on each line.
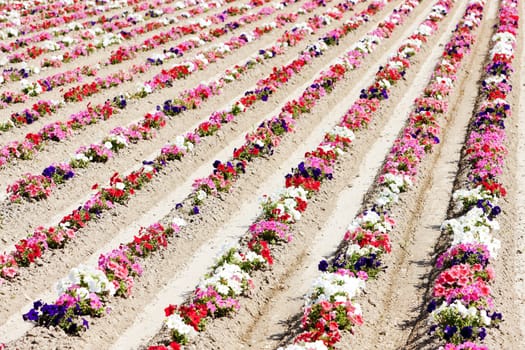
[86, 292]
[56, 131]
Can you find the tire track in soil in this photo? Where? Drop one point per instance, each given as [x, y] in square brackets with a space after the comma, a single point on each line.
[517, 177]
[520, 179]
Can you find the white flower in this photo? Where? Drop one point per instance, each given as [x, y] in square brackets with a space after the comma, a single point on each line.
[89, 278]
[331, 285]
[83, 293]
[484, 318]
[462, 311]
[474, 227]
[175, 322]
[81, 157]
[201, 195]
[342, 132]
[179, 221]
[362, 251]
[424, 30]
[227, 279]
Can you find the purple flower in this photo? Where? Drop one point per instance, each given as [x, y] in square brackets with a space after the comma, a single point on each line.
[482, 333]
[69, 175]
[431, 306]
[49, 171]
[449, 332]
[323, 265]
[495, 211]
[195, 210]
[496, 316]
[466, 332]
[31, 315]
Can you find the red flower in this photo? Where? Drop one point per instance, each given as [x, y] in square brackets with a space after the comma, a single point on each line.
[170, 309]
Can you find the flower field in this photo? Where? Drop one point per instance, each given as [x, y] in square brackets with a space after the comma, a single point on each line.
[258, 174]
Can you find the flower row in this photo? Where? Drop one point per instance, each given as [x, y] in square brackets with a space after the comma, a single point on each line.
[461, 308]
[17, 24]
[109, 39]
[87, 30]
[160, 80]
[31, 248]
[43, 85]
[15, 28]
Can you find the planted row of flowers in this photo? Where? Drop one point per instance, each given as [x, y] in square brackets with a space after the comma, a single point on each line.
[18, 24]
[32, 10]
[461, 308]
[331, 306]
[120, 190]
[12, 74]
[58, 39]
[34, 187]
[125, 53]
[75, 94]
[66, 314]
[190, 99]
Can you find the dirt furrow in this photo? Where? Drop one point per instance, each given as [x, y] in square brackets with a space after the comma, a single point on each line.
[519, 226]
